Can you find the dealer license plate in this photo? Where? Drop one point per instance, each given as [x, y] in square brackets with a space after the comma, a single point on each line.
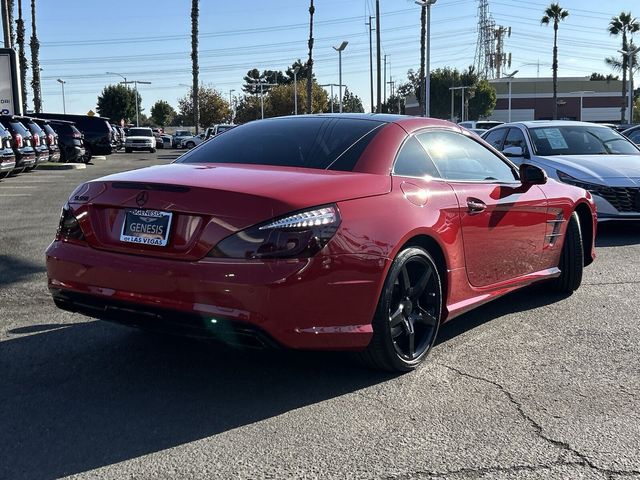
[146, 227]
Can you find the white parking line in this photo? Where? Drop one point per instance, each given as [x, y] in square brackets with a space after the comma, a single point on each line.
[17, 186]
[15, 195]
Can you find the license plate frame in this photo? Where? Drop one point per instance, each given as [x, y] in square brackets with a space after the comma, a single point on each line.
[146, 227]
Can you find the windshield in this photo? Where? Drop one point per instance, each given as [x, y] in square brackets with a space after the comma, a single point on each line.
[312, 142]
[140, 132]
[580, 140]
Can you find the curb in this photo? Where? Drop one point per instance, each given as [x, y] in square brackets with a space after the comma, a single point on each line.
[61, 166]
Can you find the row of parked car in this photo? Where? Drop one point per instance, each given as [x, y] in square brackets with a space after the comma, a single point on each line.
[26, 142]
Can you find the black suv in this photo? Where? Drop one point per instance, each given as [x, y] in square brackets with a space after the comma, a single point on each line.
[24, 152]
[69, 140]
[39, 138]
[96, 130]
[7, 157]
[51, 138]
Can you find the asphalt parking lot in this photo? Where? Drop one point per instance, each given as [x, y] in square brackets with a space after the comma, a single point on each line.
[530, 386]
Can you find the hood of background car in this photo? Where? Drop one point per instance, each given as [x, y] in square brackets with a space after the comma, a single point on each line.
[614, 170]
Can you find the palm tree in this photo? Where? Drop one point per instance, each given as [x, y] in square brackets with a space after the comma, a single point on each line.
[310, 61]
[423, 34]
[554, 13]
[623, 24]
[12, 32]
[35, 61]
[22, 56]
[194, 62]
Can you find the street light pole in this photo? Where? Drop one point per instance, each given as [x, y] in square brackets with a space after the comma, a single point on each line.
[510, 77]
[118, 74]
[581, 93]
[231, 104]
[630, 53]
[427, 76]
[135, 85]
[64, 105]
[295, 90]
[461, 103]
[339, 49]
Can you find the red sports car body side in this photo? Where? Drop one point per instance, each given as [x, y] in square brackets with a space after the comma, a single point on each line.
[326, 300]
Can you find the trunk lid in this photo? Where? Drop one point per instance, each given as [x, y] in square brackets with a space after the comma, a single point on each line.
[208, 202]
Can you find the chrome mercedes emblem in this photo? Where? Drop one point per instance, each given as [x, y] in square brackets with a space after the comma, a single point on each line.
[142, 198]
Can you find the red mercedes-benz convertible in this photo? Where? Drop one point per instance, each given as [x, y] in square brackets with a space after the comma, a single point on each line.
[342, 232]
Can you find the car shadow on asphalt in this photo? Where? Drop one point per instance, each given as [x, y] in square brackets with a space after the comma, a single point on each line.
[93, 394]
[14, 270]
[618, 234]
[531, 297]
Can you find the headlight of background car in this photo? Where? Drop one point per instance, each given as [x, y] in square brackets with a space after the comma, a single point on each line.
[298, 235]
[565, 178]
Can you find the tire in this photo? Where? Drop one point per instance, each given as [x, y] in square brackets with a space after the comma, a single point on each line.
[407, 318]
[190, 145]
[571, 259]
[152, 150]
[87, 155]
[127, 150]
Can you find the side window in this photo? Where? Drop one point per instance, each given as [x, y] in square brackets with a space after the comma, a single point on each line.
[515, 138]
[495, 138]
[458, 157]
[635, 136]
[413, 161]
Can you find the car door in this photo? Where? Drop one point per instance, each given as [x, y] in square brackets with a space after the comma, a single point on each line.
[503, 223]
[495, 137]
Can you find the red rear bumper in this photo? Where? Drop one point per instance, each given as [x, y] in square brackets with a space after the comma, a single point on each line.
[326, 302]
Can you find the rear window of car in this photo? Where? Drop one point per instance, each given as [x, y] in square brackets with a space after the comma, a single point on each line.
[20, 128]
[325, 143]
[48, 130]
[34, 128]
[140, 132]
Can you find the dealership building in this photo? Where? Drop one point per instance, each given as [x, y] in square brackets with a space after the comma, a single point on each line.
[578, 99]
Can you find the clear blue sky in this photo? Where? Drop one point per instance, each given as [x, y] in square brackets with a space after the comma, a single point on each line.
[150, 40]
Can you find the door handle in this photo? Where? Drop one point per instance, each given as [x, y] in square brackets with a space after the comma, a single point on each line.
[475, 206]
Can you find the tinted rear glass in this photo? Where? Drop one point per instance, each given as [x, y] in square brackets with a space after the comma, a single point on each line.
[311, 142]
[62, 128]
[140, 132]
[33, 127]
[48, 130]
[19, 128]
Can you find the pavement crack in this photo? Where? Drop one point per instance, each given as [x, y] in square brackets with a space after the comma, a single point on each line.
[469, 473]
[537, 428]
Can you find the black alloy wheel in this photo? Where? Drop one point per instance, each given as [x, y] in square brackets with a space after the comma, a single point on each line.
[408, 314]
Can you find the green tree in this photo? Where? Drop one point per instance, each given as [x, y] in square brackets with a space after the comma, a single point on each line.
[279, 102]
[310, 81]
[624, 25]
[195, 95]
[601, 77]
[12, 32]
[35, 61]
[421, 76]
[20, 38]
[118, 102]
[214, 108]
[162, 113]
[351, 103]
[554, 14]
[483, 102]
[248, 109]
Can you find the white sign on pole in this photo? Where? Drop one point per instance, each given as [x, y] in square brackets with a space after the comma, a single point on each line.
[9, 98]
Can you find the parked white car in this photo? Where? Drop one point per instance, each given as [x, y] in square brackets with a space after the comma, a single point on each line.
[193, 141]
[218, 129]
[179, 136]
[140, 138]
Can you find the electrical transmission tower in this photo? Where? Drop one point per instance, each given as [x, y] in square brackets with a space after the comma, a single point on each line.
[485, 46]
[500, 59]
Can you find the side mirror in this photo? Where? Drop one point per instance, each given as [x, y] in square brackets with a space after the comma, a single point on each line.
[532, 175]
[513, 151]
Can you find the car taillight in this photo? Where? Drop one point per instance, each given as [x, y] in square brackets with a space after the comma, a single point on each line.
[298, 235]
[17, 140]
[51, 139]
[77, 135]
[36, 140]
[69, 228]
